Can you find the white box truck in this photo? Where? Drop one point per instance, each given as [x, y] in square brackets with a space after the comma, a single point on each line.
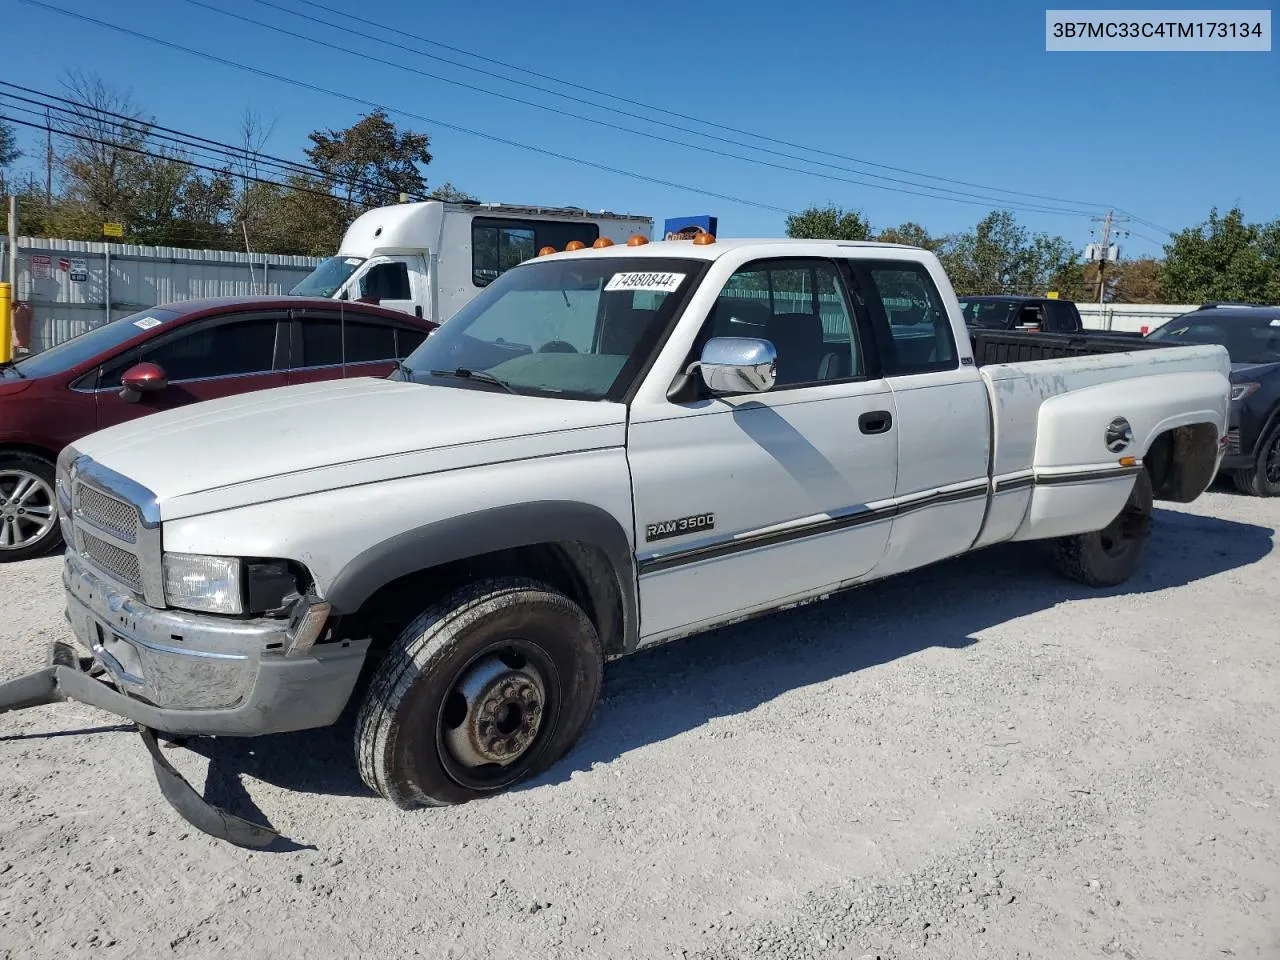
[429, 258]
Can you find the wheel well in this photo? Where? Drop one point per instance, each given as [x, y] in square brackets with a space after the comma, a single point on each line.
[1182, 461]
[29, 448]
[581, 571]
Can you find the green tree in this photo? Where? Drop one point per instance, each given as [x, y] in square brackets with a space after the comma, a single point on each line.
[1000, 256]
[913, 235]
[370, 163]
[1223, 258]
[828, 223]
[9, 151]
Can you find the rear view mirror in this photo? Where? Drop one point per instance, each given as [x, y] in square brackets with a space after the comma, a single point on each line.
[738, 365]
[142, 378]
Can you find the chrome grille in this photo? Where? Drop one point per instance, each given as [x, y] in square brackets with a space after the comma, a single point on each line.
[118, 518]
[119, 564]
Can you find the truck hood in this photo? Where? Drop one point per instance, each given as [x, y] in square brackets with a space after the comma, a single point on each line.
[293, 440]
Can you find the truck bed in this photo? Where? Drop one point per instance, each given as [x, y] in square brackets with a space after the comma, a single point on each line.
[1012, 346]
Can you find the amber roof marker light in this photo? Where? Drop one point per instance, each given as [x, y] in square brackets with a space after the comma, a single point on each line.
[637, 241]
[574, 245]
[602, 242]
[704, 238]
[546, 251]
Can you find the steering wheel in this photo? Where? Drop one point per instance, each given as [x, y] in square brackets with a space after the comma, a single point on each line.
[557, 346]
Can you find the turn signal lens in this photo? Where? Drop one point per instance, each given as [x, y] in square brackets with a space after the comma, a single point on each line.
[1128, 461]
[637, 241]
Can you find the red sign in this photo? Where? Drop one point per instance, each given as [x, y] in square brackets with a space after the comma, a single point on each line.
[41, 266]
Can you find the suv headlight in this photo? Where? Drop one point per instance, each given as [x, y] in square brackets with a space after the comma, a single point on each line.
[230, 585]
[1241, 390]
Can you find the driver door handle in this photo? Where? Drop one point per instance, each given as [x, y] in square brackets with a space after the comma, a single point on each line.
[875, 421]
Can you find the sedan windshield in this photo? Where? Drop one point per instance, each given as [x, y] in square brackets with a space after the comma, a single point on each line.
[1251, 338]
[580, 329]
[95, 343]
[327, 277]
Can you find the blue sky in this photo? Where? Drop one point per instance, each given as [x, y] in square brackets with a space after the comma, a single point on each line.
[967, 93]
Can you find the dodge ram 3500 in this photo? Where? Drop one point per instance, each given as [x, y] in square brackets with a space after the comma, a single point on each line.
[607, 448]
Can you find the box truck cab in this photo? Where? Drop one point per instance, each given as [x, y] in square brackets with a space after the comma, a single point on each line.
[430, 258]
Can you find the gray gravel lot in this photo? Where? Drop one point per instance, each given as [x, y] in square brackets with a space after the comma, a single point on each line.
[976, 760]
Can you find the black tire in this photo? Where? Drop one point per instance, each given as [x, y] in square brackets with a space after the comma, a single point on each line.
[1107, 557]
[14, 465]
[1264, 479]
[539, 661]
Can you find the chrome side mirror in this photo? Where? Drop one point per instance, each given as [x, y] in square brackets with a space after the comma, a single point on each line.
[738, 365]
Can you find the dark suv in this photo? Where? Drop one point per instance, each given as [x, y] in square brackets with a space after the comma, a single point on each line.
[165, 357]
[1251, 335]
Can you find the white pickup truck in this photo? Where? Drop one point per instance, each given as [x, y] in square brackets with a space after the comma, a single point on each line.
[606, 449]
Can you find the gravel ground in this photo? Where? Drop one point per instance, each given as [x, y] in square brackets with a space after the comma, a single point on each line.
[976, 760]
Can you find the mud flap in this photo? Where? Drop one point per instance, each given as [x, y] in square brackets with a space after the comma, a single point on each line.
[197, 811]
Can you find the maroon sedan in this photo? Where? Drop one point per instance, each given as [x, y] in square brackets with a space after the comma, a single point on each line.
[165, 357]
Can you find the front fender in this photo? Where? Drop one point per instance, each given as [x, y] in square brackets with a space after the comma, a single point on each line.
[356, 538]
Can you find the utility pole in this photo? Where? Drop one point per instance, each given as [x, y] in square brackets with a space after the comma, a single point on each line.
[48, 157]
[1104, 253]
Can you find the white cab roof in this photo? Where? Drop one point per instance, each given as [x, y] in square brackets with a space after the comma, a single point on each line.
[766, 246]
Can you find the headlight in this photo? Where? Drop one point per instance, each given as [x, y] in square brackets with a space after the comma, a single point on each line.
[208, 584]
[1241, 390]
[232, 585]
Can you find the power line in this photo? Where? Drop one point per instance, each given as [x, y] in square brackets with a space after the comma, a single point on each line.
[315, 88]
[937, 193]
[189, 140]
[600, 93]
[160, 156]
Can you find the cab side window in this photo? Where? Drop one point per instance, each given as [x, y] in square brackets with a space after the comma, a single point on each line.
[387, 281]
[801, 308]
[919, 331]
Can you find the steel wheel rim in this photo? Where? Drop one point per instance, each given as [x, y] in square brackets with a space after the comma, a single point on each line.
[498, 715]
[28, 509]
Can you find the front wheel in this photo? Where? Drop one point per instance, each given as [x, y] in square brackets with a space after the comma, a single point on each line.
[28, 507]
[489, 686]
[1107, 557]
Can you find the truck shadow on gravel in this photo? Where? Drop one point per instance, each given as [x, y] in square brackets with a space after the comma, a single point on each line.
[659, 693]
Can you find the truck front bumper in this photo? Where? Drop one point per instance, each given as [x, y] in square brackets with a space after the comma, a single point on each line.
[186, 674]
[193, 674]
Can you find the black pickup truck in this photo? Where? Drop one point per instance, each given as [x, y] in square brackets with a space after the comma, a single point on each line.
[1046, 314]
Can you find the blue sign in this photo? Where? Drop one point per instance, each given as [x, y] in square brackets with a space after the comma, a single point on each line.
[684, 228]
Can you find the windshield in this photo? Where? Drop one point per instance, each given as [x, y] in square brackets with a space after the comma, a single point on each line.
[1248, 339]
[95, 343]
[580, 329]
[326, 278]
[990, 314]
